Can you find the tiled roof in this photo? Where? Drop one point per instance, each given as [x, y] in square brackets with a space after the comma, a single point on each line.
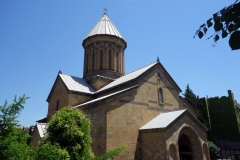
[77, 84]
[163, 120]
[41, 129]
[127, 77]
[104, 97]
[105, 26]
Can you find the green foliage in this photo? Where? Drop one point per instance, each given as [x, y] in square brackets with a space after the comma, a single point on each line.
[13, 139]
[110, 154]
[226, 21]
[224, 119]
[199, 105]
[14, 146]
[48, 151]
[238, 120]
[70, 129]
[213, 150]
[195, 102]
[9, 113]
[234, 40]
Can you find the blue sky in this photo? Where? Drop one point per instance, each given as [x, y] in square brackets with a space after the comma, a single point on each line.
[37, 38]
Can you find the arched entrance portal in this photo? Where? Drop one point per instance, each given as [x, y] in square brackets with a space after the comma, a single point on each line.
[185, 148]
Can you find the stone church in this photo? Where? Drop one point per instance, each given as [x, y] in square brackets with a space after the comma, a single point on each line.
[141, 109]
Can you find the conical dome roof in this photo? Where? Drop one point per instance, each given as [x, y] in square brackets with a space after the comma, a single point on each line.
[104, 26]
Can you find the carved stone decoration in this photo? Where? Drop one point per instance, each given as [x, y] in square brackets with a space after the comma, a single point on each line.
[159, 79]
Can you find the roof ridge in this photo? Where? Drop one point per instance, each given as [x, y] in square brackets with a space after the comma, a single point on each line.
[75, 77]
[70, 75]
[127, 77]
[139, 69]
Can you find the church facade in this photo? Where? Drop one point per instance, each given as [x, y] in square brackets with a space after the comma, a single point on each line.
[141, 109]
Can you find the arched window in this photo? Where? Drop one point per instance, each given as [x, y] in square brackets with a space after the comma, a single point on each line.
[86, 62]
[123, 63]
[117, 61]
[109, 59]
[93, 61]
[57, 105]
[160, 94]
[100, 57]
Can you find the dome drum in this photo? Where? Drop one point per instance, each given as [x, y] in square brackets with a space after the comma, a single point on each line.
[103, 57]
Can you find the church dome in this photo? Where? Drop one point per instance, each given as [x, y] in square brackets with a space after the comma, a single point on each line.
[104, 26]
[104, 51]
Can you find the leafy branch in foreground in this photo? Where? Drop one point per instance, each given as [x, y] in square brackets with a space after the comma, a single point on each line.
[110, 154]
[225, 22]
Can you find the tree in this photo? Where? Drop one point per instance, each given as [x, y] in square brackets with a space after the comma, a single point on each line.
[70, 129]
[49, 151]
[226, 22]
[192, 99]
[213, 150]
[14, 146]
[196, 103]
[9, 113]
[13, 139]
[68, 136]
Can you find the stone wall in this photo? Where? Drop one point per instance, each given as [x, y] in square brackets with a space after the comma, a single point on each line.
[78, 98]
[153, 145]
[35, 137]
[99, 82]
[58, 98]
[116, 121]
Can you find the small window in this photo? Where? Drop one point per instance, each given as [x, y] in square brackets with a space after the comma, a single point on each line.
[57, 105]
[117, 61]
[110, 59]
[86, 63]
[160, 95]
[101, 59]
[93, 61]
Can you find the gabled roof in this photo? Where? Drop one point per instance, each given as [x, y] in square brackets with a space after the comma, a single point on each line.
[104, 97]
[41, 129]
[77, 84]
[73, 84]
[163, 120]
[127, 77]
[104, 26]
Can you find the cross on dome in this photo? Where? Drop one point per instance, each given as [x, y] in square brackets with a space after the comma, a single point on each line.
[105, 10]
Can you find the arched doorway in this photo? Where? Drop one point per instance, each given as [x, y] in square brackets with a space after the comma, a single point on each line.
[185, 148]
